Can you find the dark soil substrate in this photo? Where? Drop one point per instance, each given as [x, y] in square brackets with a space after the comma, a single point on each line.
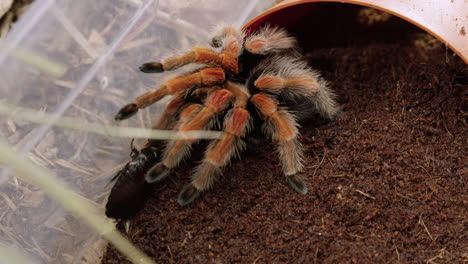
[387, 180]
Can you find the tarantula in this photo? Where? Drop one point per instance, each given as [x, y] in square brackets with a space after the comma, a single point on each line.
[254, 83]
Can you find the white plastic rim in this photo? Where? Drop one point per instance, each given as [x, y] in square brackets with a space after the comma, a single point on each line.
[447, 20]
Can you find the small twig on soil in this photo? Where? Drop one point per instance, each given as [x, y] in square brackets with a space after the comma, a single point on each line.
[421, 222]
[331, 161]
[353, 235]
[440, 255]
[365, 194]
[170, 252]
[406, 197]
[446, 128]
[255, 261]
[285, 231]
[186, 239]
[318, 166]
[316, 255]
[397, 253]
[398, 124]
[424, 169]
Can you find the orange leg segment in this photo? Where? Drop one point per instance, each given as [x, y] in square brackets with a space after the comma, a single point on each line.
[174, 86]
[199, 55]
[215, 104]
[207, 76]
[257, 45]
[278, 83]
[167, 117]
[234, 128]
[218, 154]
[283, 129]
[191, 119]
[242, 95]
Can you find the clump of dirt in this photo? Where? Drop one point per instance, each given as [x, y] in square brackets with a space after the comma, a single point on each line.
[387, 180]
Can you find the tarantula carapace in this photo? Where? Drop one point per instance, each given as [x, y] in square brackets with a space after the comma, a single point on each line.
[253, 83]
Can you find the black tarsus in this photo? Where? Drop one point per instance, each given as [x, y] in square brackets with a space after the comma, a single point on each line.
[188, 194]
[152, 67]
[126, 112]
[297, 183]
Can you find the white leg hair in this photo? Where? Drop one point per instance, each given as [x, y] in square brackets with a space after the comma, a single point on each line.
[308, 86]
[269, 40]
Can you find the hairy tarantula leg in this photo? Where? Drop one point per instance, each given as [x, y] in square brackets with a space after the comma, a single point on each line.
[178, 149]
[202, 92]
[283, 129]
[177, 85]
[168, 116]
[218, 154]
[168, 119]
[269, 40]
[230, 39]
[240, 93]
[159, 171]
[225, 60]
[276, 83]
[142, 101]
[215, 104]
[311, 89]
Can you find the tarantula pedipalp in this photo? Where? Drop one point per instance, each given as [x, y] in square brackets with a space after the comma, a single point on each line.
[259, 81]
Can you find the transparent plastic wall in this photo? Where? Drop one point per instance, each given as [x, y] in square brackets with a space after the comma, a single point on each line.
[100, 44]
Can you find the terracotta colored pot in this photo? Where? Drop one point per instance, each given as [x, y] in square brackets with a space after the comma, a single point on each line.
[446, 20]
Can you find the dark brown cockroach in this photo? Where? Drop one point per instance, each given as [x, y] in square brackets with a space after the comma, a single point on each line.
[130, 189]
